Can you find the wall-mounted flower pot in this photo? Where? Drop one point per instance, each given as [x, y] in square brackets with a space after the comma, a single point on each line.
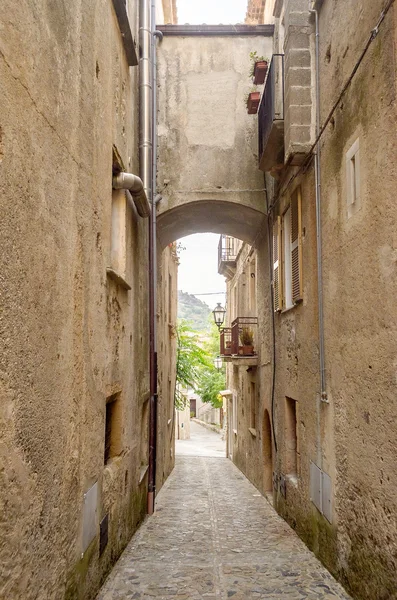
[253, 103]
[260, 71]
[246, 350]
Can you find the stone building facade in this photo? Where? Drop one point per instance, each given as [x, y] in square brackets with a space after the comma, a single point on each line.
[318, 432]
[74, 365]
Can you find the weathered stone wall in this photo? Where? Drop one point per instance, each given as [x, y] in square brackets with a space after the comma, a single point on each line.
[207, 171]
[350, 438]
[299, 81]
[71, 336]
[359, 287]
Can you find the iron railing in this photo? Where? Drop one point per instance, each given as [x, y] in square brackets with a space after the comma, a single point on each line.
[271, 108]
[226, 251]
[244, 336]
[226, 341]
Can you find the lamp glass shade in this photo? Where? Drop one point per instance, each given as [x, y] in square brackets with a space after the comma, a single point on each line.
[219, 314]
[218, 362]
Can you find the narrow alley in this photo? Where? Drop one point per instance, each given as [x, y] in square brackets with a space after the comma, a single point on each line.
[213, 535]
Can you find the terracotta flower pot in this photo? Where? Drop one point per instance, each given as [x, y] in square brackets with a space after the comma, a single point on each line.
[248, 350]
[260, 71]
[253, 103]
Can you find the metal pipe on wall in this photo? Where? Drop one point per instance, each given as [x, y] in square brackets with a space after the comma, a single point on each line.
[146, 166]
[317, 169]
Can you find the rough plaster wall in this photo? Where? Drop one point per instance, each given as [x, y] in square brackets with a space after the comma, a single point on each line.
[207, 142]
[359, 292]
[71, 336]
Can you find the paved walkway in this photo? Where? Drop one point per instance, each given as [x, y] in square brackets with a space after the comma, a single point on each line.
[203, 442]
[214, 537]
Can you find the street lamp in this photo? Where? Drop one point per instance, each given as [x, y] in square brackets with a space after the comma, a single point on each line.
[218, 363]
[219, 315]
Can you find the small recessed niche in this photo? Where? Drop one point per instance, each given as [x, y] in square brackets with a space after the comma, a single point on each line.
[113, 429]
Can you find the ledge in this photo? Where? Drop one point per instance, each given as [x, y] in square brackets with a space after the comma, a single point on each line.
[216, 30]
[111, 273]
[241, 361]
[126, 34]
[252, 431]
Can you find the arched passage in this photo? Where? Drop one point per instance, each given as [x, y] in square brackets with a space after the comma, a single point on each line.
[267, 454]
[212, 216]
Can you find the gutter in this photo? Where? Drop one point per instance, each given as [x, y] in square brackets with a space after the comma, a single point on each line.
[217, 30]
[146, 167]
[322, 397]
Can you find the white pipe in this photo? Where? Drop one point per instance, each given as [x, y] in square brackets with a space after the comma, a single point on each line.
[132, 183]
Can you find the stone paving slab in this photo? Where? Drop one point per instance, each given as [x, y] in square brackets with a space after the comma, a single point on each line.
[214, 537]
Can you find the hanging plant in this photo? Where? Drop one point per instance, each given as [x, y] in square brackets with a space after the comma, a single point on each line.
[252, 101]
[259, 66]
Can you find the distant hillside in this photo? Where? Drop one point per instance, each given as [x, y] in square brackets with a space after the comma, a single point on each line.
[194, 310]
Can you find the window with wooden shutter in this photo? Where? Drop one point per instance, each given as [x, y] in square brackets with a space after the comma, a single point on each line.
[296, 245]
[277, 287]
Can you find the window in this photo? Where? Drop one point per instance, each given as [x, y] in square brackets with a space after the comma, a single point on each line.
[252, 286]
[118, 244]
[253, 405]
[291, 437]
[234, 427]
[169, 298]
[353, 187]
[145, 433]
[112, 428]
[287, 255]
[170, 399]
[117, 270]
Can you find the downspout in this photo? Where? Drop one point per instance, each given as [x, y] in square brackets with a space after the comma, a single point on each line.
[317, 169]
[155, 199]
[146, 164]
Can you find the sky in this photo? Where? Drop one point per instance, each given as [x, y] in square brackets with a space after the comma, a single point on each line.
[211, 12]
[198, 269]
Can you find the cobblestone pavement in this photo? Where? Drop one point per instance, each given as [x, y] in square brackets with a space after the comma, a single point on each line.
[213, 537]
[202, 442]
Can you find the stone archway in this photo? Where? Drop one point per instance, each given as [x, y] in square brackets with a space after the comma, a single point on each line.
[267, 452]
[209, 216]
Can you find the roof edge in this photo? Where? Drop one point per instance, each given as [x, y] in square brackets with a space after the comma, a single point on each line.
[216, 30]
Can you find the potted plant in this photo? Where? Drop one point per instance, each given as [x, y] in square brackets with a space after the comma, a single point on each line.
[259, 66]
[247, 341]
[253, 99]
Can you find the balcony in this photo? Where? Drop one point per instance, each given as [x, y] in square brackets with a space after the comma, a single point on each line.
[238, 343]
[271, 117]
[226, 256]
[226, 341]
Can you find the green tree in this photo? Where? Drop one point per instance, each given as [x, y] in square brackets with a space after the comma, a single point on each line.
[211, 382]
[191, 360]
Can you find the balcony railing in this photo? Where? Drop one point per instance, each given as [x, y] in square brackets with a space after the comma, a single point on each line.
[271, 116]
[244, 336]
[226, 341]
[226, 256]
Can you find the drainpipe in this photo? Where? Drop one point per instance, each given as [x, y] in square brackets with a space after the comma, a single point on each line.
[132, 183]
[317, 168]
[146, 164]
[155, 199]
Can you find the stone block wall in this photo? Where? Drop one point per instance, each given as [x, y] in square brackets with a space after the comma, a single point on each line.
[299, 81]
